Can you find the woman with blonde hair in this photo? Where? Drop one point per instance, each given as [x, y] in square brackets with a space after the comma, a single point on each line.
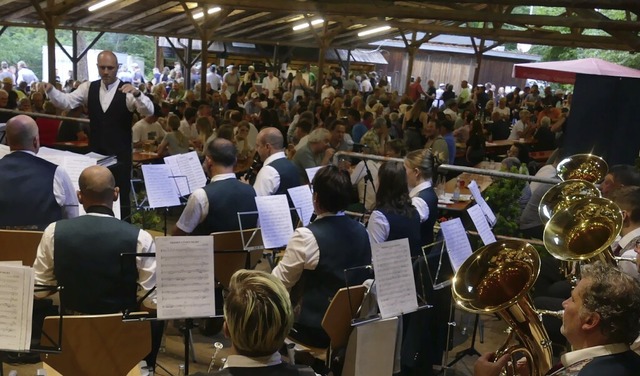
[205, 134]
[420, 166]
[174, 142]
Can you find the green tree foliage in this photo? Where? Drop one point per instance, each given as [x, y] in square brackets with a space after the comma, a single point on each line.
[502, 196]
[23, 43]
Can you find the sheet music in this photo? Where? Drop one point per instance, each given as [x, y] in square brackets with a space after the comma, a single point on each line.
[4, 150]
[311, 172]
[475, 192]
[480, 221]
[275, 220]
[303, 199]
[188, 165]
[185, 277]
[161, 190]
[16, 307]
[458, 246]
[395, 284]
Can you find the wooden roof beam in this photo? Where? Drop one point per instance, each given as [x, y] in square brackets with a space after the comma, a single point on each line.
[396, 11]
[257, 26]
[106, 10]
[166, 6]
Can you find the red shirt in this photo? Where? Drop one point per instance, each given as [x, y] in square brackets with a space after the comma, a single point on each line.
[48, 130]
[415, 89]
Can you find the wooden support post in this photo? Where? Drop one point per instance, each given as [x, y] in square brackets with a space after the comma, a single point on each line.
[51, 53]
[188, 65]
[74, 60]
[478, 51]
[411, 51]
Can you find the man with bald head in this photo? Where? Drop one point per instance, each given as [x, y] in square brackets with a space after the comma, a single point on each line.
[278, 173]
[33, 192]
[111, 104]
[83, 255]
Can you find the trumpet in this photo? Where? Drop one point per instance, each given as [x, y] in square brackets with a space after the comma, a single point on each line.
[587, 167]
[556, 314]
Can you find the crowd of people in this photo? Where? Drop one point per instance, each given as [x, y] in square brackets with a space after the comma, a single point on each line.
[285, 127]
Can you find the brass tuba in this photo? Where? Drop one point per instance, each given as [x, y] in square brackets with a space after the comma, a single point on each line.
[587, 167]
[584, 230]
[562, 195]
[497, 279]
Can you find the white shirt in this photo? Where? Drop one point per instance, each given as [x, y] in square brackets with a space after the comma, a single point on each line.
[268, 179]
[188, 130]
[242, 361]
[365, 86]
[574, 357]
[519, 127]
[270, 84]
[214, 80]
[628, 267]
[303, 141]
[378, 227]
[44, 263]
[142, 131]
[357, 178]
[26, 75]
[421, 206]
[197, 207]
[63, 190]
[302, 253]
[80, 96]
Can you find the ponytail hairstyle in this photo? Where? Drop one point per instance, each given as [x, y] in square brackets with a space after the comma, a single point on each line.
[425, 161]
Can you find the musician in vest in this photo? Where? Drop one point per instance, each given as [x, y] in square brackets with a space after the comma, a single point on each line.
[83, 255]
[419, 166]
[111, 104]
[278, 174]
[600, 320]
[34, 192]
[258, 316]
[316, 256]
[215, 207]
[394, 216]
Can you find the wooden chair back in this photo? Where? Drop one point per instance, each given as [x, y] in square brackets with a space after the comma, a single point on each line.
[230, 255]
[19, 245]
[98, 345]
[342, 309]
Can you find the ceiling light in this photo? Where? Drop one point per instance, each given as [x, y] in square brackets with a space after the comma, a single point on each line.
[210, 11]
[373, 31]
[101, 4]
[306, 24]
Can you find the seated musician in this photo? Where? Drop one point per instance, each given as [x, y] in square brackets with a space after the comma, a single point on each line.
[314, 261]
[83, 255]
[215, 207]
[258, 316]
[600, 321]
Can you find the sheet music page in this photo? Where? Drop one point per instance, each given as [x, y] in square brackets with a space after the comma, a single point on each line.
[74, 165]
[303, 199]
[16, 307]
[161, 191]
[395, 284]
[184, 275]
[4, 150]
[187, 165]
[475, 192]
[311, 172]
[275, 220]
[458, 246]
[480, 221]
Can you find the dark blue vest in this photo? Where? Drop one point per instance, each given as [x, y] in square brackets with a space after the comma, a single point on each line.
[227, 198]
[289, 178]
[401, 227]
[110, 130]
[87, 263]
[26, 192]
[426, 228]
[343, 243]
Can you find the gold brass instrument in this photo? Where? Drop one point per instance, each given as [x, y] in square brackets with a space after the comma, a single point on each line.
[587, 167]
[497, 279]
[556, 314]
[584, 230]
[562, 195]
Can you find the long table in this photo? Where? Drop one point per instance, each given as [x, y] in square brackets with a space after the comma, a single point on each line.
[465, 178]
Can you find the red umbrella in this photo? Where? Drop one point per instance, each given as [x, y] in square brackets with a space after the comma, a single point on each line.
[564, 72]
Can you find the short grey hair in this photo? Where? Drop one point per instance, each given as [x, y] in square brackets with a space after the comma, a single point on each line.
[319, 135]
[379, 123]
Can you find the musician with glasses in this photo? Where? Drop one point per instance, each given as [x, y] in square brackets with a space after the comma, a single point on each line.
[111, 104]
[258, 316]
[600, 321]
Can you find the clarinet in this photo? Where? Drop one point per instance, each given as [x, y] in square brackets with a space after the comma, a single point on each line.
[250, 174]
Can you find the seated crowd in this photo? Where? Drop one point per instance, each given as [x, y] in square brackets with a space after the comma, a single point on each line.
[280, 130]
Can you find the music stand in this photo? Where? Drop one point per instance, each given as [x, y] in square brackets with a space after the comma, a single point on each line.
[144, 206]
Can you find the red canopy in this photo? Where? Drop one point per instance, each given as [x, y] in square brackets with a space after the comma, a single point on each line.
[564, 72]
